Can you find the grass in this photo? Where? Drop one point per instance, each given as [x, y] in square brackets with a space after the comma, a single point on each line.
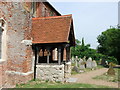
[108, 77]
[39, 84]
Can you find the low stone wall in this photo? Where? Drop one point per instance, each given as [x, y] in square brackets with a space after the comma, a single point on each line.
[50, 72]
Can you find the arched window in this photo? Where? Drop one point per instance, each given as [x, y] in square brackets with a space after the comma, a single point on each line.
[2, 27]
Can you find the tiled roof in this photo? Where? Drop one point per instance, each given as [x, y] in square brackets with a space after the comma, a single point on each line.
[55, 29]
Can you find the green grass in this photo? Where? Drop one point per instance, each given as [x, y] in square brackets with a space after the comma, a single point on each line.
[109, 78]
[38, 84]
[74, 72]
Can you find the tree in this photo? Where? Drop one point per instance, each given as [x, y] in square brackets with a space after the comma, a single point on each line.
[82, 50]
[109, 42]
[75, 50]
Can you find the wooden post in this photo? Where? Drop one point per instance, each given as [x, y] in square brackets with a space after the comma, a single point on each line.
[59, 56]
[38, 51]
[48, 56]
[68, 53]
[35, 62]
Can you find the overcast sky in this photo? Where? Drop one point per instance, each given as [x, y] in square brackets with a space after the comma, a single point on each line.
[90, 18]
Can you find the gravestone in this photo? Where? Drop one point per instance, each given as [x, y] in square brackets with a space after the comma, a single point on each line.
[75, 69]
[89, 63]
[100, 61]
[81, 64]
[73, 60]
[111, 70]
[76, 57]
[76, 61]
[84, 59]
[106, 62]
[94, 64]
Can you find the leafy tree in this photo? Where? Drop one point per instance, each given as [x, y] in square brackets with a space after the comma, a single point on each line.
[81, 50]
[109, 42]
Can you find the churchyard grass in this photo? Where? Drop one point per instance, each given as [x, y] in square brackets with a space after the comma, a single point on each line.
[39, 84]
[109, 78]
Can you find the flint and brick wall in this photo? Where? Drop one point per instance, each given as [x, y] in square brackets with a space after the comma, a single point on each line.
[54, 72]
[18, 55]
[2, 73]
[50, 72]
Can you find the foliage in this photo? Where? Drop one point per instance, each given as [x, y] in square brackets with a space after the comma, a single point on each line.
[109, 43]
[82, 50]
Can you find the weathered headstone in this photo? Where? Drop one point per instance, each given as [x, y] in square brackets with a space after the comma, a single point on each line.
[76, 61]
[73, 60]
[100, 61]
[89, 63]
[106, 62]
[81, 64]
[84, 59]
[76, 57]
[111, 71]
[75, 69]
[94, 64]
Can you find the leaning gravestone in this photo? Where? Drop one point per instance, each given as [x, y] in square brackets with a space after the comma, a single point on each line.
[89, 63]
[81, 64]
[94, 64]
[75, 69]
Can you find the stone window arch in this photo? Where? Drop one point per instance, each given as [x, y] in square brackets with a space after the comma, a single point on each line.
[2, 39]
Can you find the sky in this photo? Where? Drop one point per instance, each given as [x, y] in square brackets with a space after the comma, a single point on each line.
[89, 18]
